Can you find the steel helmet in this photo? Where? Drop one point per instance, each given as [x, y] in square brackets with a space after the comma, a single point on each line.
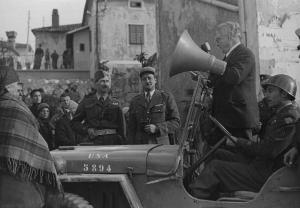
[284, 82]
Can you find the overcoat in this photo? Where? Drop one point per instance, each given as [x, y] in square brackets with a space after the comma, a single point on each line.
[234, 93]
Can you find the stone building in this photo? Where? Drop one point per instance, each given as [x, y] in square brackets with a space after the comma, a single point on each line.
[18, 55]
[120, 30]
[54, 37]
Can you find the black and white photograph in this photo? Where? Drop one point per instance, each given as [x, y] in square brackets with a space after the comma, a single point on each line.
[149, 104]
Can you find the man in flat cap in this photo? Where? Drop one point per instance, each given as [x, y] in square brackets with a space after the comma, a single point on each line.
[27, 170]
[153, 114]
[102, 115]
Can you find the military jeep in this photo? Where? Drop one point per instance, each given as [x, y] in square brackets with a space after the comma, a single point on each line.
[152, 176]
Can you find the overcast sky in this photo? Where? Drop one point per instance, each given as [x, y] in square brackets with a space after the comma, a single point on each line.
[14, 13]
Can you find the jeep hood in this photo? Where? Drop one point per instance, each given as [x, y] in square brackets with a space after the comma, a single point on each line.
[132, 159]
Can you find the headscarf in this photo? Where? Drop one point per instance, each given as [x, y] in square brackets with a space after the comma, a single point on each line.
[7, 76]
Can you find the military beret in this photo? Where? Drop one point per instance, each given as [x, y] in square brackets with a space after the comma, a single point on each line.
[147, 69]
[100, 74]
[42, 106]
[7, 76]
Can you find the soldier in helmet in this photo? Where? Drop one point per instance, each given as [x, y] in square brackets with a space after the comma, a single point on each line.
[253, 163]
[153, 115]
[102, 115]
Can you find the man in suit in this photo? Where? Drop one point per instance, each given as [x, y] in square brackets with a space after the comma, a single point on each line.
[234, 92]
[102, 115]
[253, 163]
[153, 114]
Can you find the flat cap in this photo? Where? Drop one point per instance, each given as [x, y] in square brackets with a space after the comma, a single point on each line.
[100, 74]
[7, 76]
[147, 69]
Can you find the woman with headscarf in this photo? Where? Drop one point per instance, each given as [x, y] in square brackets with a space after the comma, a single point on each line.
[27, 171]
[45, 127]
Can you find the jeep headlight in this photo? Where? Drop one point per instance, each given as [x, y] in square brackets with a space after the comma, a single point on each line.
[60, 164]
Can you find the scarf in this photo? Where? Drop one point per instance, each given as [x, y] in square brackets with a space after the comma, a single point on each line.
[23, 151]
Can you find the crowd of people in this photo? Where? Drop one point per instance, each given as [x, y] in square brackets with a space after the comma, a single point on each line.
[263, 133]
[54, 121]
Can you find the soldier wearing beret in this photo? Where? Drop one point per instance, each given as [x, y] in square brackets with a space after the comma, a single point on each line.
[153, 114]
[102, 114]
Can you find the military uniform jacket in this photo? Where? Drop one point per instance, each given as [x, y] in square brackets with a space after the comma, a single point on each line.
[98, 115]
[234, 95]
[162, 111]
[276, 139]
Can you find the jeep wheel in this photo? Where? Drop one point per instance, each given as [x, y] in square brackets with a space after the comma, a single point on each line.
[69, 200]
[74, 201]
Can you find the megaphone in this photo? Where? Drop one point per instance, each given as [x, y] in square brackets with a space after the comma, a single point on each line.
[188, 56]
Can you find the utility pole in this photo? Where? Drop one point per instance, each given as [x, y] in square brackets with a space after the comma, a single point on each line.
[96, 36]
[28, 27]
[27, 40]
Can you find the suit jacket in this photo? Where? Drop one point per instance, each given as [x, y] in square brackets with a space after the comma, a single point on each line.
[161, 111]
[234, 93]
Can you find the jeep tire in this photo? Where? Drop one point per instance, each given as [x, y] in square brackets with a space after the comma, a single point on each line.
[69, 200]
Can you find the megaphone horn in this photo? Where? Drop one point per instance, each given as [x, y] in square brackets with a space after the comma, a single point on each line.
[188, 56]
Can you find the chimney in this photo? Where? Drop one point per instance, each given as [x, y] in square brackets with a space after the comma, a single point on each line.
[11, 38]
[55, 18]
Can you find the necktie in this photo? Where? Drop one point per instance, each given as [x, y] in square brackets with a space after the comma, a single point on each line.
[101, 99]
[148, 97]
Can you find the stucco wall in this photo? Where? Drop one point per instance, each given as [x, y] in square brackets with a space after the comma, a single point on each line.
[53, 41]
[200, 19]
[114, 21]
[81, 58]
[25, 57]
[277, 22]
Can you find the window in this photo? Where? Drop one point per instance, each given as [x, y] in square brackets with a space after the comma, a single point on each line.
[81, 47]
[136, 34]
[135, 4]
